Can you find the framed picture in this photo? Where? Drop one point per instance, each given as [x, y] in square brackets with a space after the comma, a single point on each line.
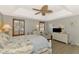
[18, 27]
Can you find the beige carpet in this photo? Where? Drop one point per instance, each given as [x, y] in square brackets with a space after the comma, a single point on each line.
[61, 48]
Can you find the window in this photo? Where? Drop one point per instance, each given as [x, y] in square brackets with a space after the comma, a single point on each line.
[42, 26]
[18, 27]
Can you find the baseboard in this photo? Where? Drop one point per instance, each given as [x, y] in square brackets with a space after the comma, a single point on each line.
[59, 41]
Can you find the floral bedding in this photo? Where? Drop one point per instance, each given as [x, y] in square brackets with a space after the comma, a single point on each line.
[23, 44]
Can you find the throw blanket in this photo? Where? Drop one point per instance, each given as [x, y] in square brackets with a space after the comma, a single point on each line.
[39, 42]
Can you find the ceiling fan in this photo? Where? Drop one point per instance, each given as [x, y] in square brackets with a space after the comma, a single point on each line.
[43, 10]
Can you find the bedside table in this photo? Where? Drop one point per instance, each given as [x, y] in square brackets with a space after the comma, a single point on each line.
[51, 37]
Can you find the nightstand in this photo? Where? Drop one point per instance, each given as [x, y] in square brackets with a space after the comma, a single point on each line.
[51, 37]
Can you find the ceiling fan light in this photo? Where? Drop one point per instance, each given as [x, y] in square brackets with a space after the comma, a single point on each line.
[43, 14]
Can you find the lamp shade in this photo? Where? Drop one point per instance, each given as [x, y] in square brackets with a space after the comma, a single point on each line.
[6, 27]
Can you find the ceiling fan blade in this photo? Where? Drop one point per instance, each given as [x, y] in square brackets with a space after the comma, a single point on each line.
[36, 9]
[49, 11]
[37, 13]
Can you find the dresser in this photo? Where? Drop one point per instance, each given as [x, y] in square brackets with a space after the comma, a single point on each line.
[63, 37]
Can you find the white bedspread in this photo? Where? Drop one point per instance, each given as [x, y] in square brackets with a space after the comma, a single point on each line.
[39, 43]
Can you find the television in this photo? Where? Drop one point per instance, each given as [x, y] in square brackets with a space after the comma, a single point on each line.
[57, 29]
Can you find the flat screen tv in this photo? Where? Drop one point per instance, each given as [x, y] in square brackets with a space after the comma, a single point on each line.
[57, 29]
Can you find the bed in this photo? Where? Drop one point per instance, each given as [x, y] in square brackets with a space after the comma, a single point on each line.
[28, 44]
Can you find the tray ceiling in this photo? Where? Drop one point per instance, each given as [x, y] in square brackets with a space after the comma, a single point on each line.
[59, 11]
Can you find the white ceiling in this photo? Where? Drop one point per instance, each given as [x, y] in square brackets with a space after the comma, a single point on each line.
[59, 11]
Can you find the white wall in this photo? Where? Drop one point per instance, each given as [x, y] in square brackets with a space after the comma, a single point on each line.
[30, 24]
[71, 26]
